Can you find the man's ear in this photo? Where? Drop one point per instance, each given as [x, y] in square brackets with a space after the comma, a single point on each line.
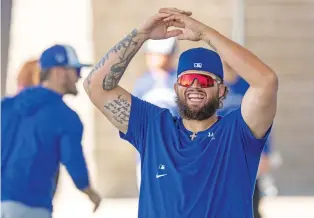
[53, 73]
[223, 91]
[175, 87]
[59, 74]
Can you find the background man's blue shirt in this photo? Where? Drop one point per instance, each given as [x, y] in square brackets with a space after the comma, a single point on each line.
[212, 176]
[40, 131]
[158, 90]
[235, 95]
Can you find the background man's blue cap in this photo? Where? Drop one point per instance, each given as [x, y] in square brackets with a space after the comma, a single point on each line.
[200, 59]
[60, 56]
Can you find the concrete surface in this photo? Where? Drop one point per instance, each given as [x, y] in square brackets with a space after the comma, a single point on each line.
[77, 205]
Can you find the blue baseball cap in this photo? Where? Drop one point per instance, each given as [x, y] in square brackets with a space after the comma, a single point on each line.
[200, 59]
[60, 56]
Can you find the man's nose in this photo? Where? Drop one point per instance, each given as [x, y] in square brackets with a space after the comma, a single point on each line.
[196, 84]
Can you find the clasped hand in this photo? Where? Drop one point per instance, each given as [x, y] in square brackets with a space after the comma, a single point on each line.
[184, 27]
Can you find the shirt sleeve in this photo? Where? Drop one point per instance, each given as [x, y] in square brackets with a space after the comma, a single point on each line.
[251, 144]
[71, 154]
[267, 147]
[141, 115]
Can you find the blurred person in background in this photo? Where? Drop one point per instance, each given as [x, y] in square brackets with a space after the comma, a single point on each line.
[237, 88]
[156, 85]
[198, 164]
[38, 132]
[28, 75]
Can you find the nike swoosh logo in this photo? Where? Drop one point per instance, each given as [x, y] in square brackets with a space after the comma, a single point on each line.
[161, 175]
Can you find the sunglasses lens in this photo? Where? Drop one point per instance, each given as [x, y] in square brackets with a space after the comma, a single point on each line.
[188, 79]
[185, 81]
[205, 81]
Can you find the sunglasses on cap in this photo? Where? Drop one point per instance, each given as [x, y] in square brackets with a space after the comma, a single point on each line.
[205, 81]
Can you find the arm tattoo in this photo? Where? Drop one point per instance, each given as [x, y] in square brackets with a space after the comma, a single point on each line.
[210, 44]
[127, 49]
[120, 109]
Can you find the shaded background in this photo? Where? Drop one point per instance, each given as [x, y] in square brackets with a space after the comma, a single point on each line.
[280, 32]
[6, 9]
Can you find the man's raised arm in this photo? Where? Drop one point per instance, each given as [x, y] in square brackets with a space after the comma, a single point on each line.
[259, 104]
[101, 84]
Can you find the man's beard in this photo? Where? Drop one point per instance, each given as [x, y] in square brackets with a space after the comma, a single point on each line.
[202, 113]
[70, 90]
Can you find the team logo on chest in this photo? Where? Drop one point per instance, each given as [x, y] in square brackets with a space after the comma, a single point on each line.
[211, 135]
[161, 171]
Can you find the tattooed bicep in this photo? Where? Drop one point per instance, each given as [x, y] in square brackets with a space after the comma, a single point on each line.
[117, 109]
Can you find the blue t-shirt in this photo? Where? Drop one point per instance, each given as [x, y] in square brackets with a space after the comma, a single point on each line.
[211, 176]
[158, 90]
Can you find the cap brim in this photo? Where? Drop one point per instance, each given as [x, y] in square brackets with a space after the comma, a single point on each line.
[85, 65]
[80, 65]
[198, 72]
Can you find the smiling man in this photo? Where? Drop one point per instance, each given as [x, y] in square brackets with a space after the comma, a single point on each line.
[199, 164]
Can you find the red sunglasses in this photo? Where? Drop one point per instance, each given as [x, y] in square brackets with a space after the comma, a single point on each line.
[205, 81]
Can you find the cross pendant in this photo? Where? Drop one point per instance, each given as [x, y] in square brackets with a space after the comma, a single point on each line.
[193, 136]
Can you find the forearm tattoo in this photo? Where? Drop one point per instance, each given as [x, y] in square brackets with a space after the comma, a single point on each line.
[210, 44]
[127, 48]
[120, 109]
